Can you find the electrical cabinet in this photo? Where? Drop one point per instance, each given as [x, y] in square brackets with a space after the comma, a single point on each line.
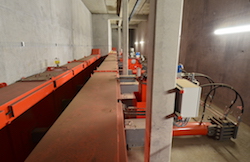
[187, 100]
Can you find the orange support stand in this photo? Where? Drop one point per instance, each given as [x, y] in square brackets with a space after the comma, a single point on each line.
[143, 90]
[141, 98]
[192, 128]
[135, 71]
[96, 51]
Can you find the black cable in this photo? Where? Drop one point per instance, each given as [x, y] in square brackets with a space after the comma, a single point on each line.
[184, 71]
[204, 76]
[210, 81]
[214, 85]
[199, 75]
[226, 86]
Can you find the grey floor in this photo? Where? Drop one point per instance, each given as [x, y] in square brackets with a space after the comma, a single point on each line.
[205, 149]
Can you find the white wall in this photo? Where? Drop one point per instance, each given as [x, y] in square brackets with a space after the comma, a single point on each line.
[49, 29]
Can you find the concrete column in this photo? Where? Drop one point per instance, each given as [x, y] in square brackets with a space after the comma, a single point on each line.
[163, 51]
[119, 39]
[109, 36]
[125, 36]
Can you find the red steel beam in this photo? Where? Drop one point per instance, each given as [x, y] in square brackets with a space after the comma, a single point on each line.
[28, 101]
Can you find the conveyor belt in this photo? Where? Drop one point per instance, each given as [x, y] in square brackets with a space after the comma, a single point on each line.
[16, 90]
[17, 98]
[91, 127]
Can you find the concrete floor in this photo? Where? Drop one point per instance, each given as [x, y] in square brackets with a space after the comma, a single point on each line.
[205, 149]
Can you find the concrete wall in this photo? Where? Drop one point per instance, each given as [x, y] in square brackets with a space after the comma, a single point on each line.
[48, 29]
[115, 38]
[225, 58]
[141, 35]
[102, 32]
[82, 30]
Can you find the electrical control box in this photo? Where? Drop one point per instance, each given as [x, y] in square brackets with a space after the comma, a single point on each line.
[187, 101]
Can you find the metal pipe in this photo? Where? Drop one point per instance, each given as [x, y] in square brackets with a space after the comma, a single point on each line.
[192, 128]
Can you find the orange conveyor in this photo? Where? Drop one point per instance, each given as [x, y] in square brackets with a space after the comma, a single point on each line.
[20, 96]
[92, 127]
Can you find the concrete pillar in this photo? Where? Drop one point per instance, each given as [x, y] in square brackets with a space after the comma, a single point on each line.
[125, 36]
[163, 51]
[109, 36]
[119, 39]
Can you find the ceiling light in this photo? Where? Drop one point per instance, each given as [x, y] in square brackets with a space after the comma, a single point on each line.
[141, 42]
[237, 29]
[136, 43]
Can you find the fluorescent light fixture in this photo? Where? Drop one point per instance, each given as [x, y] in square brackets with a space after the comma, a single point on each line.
[136, 43]
[141, 42]
[237, 29]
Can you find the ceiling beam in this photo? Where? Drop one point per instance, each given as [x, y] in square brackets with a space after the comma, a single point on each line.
[139, 18]
[134, 9]
[119, 11]
[133, 16]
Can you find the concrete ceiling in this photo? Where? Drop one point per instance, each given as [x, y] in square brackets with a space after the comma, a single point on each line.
[101, 6]
[138, 9]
